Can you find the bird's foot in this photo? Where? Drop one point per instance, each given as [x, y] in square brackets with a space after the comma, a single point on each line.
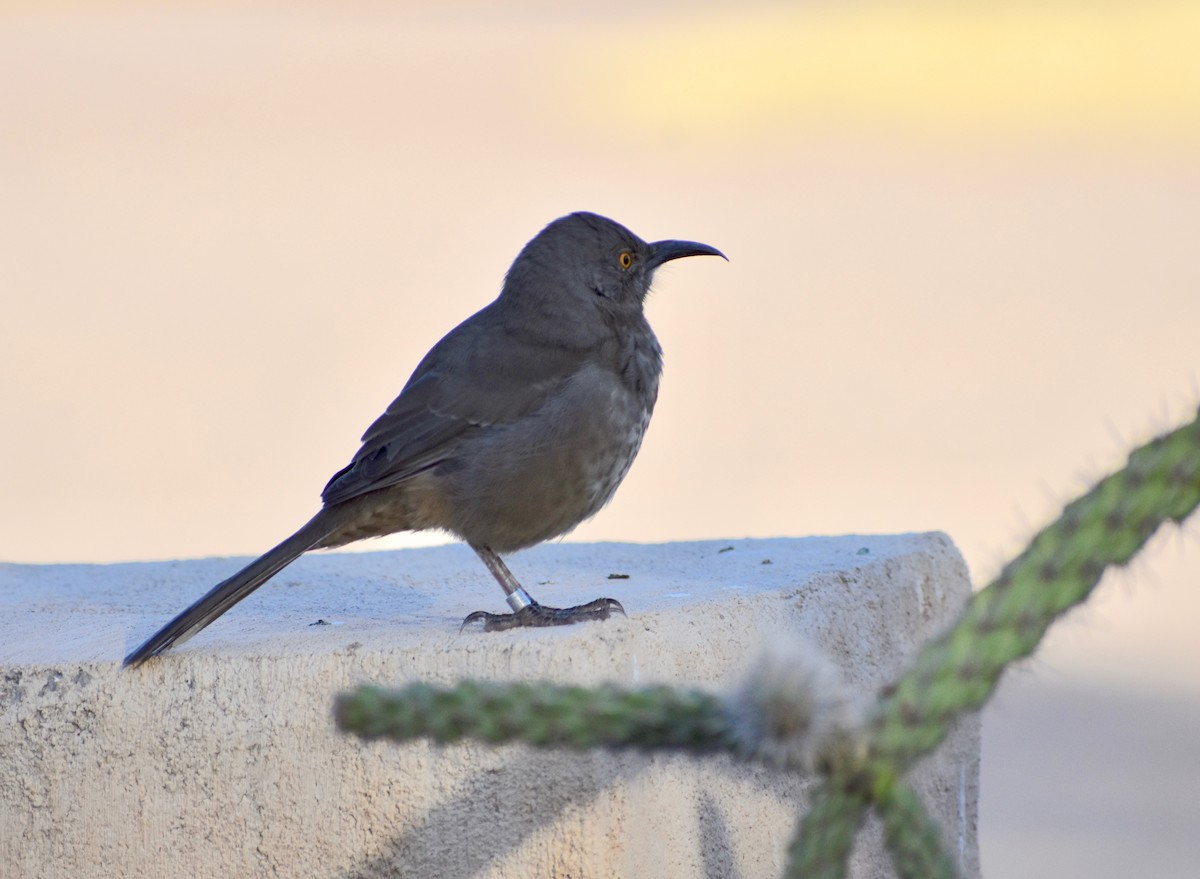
[535, 615]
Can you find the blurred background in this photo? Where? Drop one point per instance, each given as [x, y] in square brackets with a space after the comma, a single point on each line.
[964, 280]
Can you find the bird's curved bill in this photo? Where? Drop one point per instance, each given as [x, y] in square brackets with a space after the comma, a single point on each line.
[664, 251]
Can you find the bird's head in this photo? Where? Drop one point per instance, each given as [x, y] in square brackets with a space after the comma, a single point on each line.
[586, 257]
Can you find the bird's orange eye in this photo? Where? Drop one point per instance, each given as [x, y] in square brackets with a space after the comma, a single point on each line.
[625, 259]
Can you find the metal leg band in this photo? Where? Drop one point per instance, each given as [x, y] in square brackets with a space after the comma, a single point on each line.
[518, 599]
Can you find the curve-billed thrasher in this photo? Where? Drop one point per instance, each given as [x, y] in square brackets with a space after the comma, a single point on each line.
[516, 427]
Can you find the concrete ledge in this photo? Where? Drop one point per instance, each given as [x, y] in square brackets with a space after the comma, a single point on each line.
[220, 758]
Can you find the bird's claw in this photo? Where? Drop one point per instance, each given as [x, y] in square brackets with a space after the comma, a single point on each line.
[536, 615]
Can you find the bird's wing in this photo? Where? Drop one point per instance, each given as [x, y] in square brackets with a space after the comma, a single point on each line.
[478, 375]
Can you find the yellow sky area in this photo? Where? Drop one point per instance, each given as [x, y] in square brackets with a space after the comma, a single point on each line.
[1118, 68]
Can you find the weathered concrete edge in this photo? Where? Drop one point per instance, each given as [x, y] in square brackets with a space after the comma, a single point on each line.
[868, 615]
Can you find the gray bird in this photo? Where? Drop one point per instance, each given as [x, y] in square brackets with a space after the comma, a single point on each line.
[517, 426]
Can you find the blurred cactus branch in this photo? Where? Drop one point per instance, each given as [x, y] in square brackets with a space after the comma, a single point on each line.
[541, 714]
[957, 672]
[792, 711]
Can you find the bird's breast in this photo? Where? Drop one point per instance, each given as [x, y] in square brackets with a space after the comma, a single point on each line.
[535, 478]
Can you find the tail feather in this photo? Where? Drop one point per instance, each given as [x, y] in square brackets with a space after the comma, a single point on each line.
[229, 592]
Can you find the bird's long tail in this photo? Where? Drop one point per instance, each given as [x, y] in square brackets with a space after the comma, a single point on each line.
[229, 592]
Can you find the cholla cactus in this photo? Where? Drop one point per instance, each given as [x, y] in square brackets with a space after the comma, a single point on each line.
[792, 711]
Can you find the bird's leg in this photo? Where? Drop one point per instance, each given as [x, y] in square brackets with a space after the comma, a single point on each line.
[526, 611]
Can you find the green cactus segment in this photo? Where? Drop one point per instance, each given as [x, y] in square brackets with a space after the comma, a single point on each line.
[912, 837]
[1107, 526]
[955, 673]
[821, 847]
[543, 715]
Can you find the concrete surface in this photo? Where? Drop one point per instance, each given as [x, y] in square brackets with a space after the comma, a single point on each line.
[220, 758]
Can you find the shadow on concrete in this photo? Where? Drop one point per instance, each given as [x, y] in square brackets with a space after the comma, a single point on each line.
[492, 809]
[716, 844]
